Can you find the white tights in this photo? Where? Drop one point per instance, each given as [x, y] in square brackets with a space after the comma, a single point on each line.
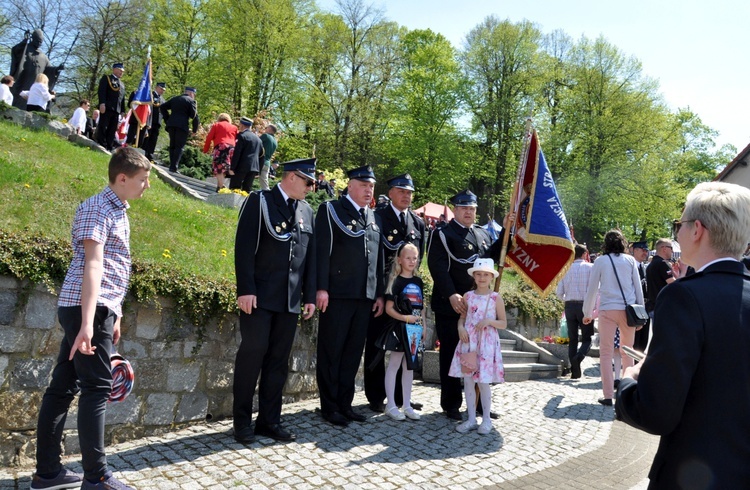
[397, 360]
[485, 393]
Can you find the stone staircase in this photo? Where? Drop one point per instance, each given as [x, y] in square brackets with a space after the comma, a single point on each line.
[522, 359]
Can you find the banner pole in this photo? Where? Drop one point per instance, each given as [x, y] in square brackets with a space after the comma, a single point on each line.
[513, 202]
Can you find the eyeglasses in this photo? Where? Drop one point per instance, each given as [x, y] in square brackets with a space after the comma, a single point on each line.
[677, 225]
[309, 183]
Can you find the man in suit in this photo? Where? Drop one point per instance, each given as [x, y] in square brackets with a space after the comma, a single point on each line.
[323, 185]
[451, 252]
[691, 389]
[398, 225]
[245, 165]
[350, 287]
[275, 268]
[177, 111]
[152, 136]
[111, 105]
[639, 251]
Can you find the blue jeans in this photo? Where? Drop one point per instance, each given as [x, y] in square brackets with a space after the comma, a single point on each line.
[89, 375]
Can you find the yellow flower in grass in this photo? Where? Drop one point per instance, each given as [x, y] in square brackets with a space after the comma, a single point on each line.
[155, 210]
[199, 211]
[223, 253]
[27, 186]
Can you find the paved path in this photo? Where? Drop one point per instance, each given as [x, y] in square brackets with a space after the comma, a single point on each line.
[551, 434]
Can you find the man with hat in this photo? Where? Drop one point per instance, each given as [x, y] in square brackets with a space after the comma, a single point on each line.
[350, 287]
[398, 225]
[152, 135]
[111, 105]
[245, 164]
[451, 252]
[275, 267]
[177, 111]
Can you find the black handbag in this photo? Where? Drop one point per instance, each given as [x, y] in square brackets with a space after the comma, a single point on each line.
[635, 313]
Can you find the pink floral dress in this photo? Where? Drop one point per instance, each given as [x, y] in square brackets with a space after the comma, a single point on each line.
[485, 341]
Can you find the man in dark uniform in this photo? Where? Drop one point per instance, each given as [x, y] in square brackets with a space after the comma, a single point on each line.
[149, 142]
[350, 287]
[398, 225]
[659, 273]
[111, 105]
[176, 112]
[323, 185]
[639, 251]
[452, 251]
[275, 268]
[245, 164]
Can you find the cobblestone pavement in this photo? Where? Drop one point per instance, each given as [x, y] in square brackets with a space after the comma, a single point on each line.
[550, 434]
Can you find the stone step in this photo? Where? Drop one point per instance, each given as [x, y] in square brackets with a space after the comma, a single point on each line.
[519, 357]
[507, 344]
[525, 372]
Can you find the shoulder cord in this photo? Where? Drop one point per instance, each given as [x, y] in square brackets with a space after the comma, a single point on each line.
[109, 81]
[469, 260]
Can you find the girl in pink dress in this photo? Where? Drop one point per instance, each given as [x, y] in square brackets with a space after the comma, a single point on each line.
[477, 331]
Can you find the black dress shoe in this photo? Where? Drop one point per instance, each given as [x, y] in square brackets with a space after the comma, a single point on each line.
[274, 431]
[244, 435]
[494, 415]
[416, 405]
[575, 368]
[353, 416]
[607, 402]
[336, 419]
[377, 407]
[453, 414]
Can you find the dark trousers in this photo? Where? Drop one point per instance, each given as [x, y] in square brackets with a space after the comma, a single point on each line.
[133, 131]
[375, 377]
[92, 376]
[149, 142]
[341, 337]
[451, 395]
[107, 128]
[267, 339]
[34, 108]
[177, 140]
[574, 317]
[243, 181]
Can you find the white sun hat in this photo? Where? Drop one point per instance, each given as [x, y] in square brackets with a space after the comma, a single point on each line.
[483, 265]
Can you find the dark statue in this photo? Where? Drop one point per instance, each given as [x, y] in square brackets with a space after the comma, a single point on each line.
[28, 61]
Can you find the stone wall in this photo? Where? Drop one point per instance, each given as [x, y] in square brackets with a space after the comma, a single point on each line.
[178, 380]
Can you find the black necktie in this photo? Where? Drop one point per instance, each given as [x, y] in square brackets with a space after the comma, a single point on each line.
[362, 213]
[402, 219]
[292, 205]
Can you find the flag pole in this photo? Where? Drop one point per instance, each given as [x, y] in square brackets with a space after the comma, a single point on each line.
[513, 201]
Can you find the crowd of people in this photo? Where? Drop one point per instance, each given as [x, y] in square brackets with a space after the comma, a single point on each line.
[358, 267]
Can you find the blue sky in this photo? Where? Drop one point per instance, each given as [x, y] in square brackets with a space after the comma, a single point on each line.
[697, 50]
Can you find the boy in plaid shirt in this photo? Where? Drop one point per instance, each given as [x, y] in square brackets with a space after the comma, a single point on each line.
[89, 311]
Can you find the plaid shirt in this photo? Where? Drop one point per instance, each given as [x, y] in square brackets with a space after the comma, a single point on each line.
[101, 218]
[575, 283]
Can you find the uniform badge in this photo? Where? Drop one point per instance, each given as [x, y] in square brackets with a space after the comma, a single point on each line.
[471, 247]
[278, 229]
[354, 222]
[349, 226]
[390, 238]
[395, 232]
[283, 224]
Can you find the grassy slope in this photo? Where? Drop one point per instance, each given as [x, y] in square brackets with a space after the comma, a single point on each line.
[43, 178]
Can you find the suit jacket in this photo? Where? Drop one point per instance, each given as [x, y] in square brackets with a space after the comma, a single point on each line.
[112, 93]
[350, 258]
[694, 385]
[247, 151]
[449, 262]
[274, 252]
[156, 115]
[178, 110]
[393, 235]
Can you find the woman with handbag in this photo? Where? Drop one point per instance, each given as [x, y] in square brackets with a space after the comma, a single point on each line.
[478, 358]
[615, 277]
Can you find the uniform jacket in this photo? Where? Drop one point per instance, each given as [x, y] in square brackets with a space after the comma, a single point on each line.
[393, 235]
[452, 251]
[178, 110]
[274, 256]
[156, 115]
[112, 93]
[350, 258]
[247, 150]
[694, 386]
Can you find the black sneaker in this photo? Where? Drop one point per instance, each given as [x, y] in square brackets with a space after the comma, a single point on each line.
[64, 479]
[107, 482]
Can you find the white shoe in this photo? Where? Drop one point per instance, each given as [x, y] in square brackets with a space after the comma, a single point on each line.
[465, 427]
[395, 413]
[485, 427]
[409, 412]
